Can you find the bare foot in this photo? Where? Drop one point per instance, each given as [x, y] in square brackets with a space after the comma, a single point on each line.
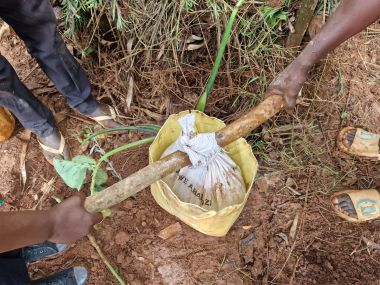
[348, 139]
[344, 204]
[54, 141]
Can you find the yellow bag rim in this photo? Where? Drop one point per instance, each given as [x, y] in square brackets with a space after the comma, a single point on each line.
[209, 213]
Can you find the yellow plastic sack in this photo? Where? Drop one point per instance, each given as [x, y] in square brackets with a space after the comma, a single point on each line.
[7, 124]
[213, 223]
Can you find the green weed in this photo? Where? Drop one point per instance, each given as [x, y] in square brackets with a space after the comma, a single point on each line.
[78, 13]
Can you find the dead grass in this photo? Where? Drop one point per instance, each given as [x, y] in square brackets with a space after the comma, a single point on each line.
[151, 51]
[305, 141]
[152, 48]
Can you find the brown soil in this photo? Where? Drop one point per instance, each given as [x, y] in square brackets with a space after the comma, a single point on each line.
[260, 248]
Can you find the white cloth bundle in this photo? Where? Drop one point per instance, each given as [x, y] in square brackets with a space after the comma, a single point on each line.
[213, 181]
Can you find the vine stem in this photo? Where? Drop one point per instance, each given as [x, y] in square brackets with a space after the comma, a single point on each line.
[148, 129]
[113, 152]
[93, 242]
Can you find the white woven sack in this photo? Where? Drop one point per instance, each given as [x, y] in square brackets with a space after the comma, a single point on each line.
[213, 181]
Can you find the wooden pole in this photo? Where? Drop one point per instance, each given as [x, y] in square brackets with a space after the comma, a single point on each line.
[169, 164]
[304, 15]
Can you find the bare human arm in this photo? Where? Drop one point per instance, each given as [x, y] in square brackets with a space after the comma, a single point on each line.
[351, 17]
[64, 223]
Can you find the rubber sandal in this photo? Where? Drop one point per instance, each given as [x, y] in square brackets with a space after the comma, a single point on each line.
[366, 204]
[53, 150]
[72, 276]
[46, 250]
[365, 144]
[100, 119]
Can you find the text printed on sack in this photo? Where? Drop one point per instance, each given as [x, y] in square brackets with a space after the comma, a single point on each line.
[204, 202]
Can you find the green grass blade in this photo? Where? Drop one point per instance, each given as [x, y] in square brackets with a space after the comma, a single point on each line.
[147, 129]
[201, 104]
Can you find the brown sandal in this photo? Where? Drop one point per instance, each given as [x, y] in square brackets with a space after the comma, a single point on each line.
[366, 204]
[365, 144]
[53, 150]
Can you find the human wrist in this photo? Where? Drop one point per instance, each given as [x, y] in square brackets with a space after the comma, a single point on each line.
[304, 62]
[51, 221]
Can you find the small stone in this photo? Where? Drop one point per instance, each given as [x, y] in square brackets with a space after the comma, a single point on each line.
[290, 182]
[262, 184]
[247, 227]
[121, 238]
[120, 258]
[94, 256]
[328, 265]
[143, 224]
[170, 231]
[128, 204]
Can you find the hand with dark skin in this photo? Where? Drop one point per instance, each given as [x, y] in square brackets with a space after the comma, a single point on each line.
[65, 223]
[351, 17]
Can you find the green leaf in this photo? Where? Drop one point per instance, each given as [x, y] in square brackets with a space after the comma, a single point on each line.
[101, 177]
[73, 173]
[283, 17]
[97, 188]
[84, 159]
[344, 115]
[106, 213]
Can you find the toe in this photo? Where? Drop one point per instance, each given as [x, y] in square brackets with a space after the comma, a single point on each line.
[335, 201]
[348, 138]
[343, 204]
[352, 213]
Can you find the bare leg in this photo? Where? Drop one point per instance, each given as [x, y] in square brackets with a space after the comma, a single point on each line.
[351, 17]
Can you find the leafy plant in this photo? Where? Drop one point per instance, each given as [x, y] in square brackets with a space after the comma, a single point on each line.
[97, 170]
[201, 104]
[189, 5]
[73, 172]
[273, 16]
[327, 5]
[77, 13]
[344, 115]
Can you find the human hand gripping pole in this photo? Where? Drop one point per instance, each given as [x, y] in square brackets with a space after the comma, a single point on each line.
[143, 178]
